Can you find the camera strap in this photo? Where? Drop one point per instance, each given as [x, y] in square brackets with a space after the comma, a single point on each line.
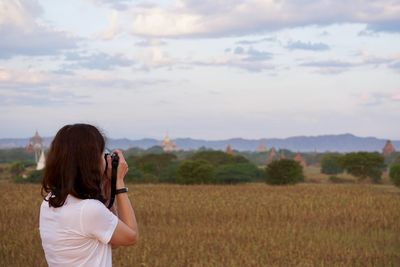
[113, 183]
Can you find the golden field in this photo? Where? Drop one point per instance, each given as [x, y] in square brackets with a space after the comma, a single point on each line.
[307, 224]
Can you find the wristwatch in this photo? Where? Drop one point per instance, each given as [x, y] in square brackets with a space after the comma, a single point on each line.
[122, 190]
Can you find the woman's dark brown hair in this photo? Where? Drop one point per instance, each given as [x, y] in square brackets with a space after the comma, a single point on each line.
[73, 165]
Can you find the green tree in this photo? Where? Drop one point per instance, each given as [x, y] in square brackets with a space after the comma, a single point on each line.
[15, 154]
[35, 176]
[155, 164]
[170, 173]
[392, 158]
[217, 158]
[195, 172]
[237, 173]
[155, 150]
[394, 174]
[134, 175]
[284, 171]
[331, 163]
[364, 165]
[17, 168]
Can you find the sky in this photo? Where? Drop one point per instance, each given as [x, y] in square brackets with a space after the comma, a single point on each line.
[210, 69]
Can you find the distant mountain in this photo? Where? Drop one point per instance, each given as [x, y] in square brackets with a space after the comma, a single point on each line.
[322, 143]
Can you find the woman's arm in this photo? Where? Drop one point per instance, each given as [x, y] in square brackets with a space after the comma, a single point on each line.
[126, 232]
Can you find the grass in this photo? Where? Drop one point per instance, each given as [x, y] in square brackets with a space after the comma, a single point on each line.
[243, 225]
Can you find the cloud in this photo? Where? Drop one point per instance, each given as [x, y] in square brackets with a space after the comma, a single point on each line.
[257, 55]
[238, 50]
[150, 42]
[396, 97]
[248, 66]
[21, 34]
[329, 66]
[243, 17]
[42, 97]
[392, 61]
[328, 63]
[116, 4]
[35, 89]
[389, 26]
[97, 61]
[257, 41]
[372, 99]
[395, 65]
[113, 27]
[251, 54]
[376, 98]
[298, 45]
[99, 81]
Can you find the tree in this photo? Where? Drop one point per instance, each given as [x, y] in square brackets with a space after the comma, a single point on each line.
[35, 176]
[155, 164]
[284, 171]
[134, 175]
[195, 172]
[217, 158]
[237, 173]
[394, 174]
[331, 163]
[17, 168]
[364, 165]
[392, 158]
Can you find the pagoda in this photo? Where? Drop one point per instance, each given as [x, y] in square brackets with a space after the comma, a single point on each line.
[261, 148]
[42, 162]
[36, 145]
[298, 158]
[388, 149]
[229, 149]
[272, 155]
[168, 145]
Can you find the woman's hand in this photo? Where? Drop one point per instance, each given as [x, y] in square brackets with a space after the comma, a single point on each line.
[106, 184]
[122, 167]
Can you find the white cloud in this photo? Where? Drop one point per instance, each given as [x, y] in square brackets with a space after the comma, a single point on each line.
[99, 61]
[299, 45]
[396, 97]
[242, 17]
[113, 27]
[22, 34]
[163, 23]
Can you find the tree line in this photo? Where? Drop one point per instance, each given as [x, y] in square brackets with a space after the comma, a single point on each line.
[217, 167]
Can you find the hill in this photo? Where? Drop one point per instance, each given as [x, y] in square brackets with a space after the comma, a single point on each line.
[322, 143]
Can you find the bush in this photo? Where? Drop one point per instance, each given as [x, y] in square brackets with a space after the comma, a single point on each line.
[338, 180]
[284, 171]
[195, 172]
[364, 165]
[237, 173]
[17, 168]
[35, 176]
[394, 174]
[331, 164]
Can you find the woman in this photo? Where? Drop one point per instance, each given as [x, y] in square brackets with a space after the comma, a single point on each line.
[75, 226]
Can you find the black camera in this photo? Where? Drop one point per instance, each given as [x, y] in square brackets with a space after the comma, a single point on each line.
[114, 167]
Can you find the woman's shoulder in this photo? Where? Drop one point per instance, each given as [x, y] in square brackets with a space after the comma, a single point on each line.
[93, 205]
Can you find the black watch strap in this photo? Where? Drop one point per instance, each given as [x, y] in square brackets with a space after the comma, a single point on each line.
[122, 190]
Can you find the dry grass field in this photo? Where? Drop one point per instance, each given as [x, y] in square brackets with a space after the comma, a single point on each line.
[244, 225]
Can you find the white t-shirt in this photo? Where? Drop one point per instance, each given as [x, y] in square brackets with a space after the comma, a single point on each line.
[77, 233]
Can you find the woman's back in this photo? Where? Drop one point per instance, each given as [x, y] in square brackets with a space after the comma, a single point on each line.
[78, 233]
